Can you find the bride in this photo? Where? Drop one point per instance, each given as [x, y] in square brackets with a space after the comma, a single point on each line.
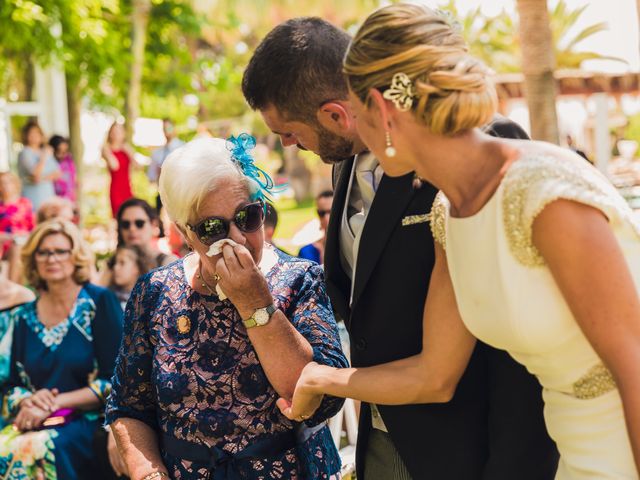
[536, 253]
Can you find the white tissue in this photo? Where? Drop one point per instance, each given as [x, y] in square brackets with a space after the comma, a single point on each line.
[216, 248]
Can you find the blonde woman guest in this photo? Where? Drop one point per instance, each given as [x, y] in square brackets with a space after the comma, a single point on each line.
[63, 352]
[199, 372]
[536, 252]
[37, 167]
[56, 207]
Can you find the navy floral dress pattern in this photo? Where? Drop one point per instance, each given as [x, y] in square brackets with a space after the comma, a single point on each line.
[187, 369]
[78, 352]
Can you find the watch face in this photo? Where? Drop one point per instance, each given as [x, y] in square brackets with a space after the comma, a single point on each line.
[261, 316]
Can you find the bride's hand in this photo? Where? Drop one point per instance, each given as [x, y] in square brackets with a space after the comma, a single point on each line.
[306, 397]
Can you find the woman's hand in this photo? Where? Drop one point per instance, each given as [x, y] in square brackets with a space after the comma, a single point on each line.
[115, 459]
[242, 281]
[30, 417]
[44, 399]
[306, 398]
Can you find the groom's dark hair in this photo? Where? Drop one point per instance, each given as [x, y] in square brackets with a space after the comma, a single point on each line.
[297, 67]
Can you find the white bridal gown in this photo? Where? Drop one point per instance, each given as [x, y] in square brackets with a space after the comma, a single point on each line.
[508, 299]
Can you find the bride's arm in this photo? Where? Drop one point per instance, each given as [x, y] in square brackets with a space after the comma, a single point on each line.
[592, 273]
[429, 377]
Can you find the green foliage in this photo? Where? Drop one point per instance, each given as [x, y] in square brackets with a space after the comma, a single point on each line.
[495, 39]
[632, 131]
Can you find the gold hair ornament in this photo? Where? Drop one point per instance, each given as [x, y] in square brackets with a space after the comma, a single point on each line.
[401, 92]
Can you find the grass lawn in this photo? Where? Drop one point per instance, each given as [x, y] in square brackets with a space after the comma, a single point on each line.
[291, 218]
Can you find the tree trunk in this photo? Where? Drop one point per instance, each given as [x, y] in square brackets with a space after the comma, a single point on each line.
[638, 13]
[74, 107]
[141, 10]
[538, 64]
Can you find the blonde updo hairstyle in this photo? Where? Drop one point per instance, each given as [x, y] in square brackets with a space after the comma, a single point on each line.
[82, 255]
[453, 90]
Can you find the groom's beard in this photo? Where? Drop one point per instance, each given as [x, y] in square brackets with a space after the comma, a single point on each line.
[333, 148]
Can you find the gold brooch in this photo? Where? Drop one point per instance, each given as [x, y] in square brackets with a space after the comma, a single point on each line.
[184, 324]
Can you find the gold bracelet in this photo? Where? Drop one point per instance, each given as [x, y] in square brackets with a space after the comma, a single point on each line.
[153, 475]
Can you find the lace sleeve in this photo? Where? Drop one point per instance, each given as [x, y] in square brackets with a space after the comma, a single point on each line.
[533, 183]
[438, 219]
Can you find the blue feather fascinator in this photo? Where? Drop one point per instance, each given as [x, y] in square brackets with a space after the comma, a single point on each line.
[239, 147]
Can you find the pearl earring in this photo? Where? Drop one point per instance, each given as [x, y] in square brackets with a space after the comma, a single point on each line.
[390, 151]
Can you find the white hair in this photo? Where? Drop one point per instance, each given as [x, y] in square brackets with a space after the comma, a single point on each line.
[192, 171]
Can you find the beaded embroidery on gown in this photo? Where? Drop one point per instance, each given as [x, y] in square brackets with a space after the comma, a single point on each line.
[508, 299]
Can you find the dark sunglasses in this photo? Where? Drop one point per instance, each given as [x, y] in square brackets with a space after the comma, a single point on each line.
[322, 213]
[248, 219]
[126, 224]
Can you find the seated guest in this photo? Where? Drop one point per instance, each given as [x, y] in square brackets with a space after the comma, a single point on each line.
[315, 251]
[11, 296]
[16, 221]
[63, 351]
[127, 265]
[56, 207]
[213, 339]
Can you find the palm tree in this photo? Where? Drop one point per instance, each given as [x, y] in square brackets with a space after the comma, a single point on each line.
[538, 63]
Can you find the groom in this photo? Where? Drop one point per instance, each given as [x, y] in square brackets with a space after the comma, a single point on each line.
[378, 260]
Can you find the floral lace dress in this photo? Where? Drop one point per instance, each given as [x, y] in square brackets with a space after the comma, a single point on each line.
[188, 370]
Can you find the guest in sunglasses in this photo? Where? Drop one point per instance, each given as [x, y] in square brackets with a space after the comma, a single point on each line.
[213, 339]
[315, 251]
[139, 225]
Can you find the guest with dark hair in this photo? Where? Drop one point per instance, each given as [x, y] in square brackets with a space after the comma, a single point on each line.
[66, 185]
[270, 222]
[315, 251]
[127, 264]
[37, 167]
[138, 225]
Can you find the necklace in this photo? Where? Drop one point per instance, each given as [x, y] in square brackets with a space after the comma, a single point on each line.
[203, 283]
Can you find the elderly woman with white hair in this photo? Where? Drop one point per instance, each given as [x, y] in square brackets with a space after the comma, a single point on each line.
[212, 340]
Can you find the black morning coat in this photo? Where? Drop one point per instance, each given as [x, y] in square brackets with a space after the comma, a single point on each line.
[493, 428]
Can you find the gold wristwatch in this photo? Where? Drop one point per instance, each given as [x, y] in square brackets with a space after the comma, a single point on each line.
[260, 316]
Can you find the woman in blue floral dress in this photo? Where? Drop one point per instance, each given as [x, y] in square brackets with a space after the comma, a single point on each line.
[212, 340]
[63, 352]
